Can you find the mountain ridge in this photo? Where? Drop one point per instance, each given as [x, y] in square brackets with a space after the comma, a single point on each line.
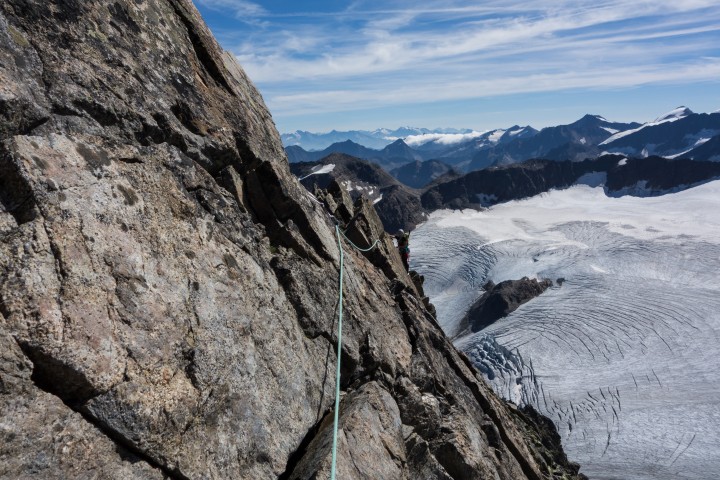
[680, 132]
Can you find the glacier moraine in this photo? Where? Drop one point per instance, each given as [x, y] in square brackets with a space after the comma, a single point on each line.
[624, 355]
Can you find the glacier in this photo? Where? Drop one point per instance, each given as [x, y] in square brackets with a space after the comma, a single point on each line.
[622, 353]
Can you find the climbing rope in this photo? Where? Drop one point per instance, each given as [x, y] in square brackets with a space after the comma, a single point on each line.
[339, 235]
[339, 351]
[358, 248]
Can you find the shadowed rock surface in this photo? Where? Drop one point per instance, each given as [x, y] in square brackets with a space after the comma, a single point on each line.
[501, 300]
[168, 289]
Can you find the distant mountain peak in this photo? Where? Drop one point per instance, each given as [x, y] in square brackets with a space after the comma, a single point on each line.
[676, 114]
[590, 119]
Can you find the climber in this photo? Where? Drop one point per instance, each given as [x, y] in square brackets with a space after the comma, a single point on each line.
[403, 244]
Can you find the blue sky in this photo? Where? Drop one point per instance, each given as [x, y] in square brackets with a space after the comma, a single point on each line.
[365, 64]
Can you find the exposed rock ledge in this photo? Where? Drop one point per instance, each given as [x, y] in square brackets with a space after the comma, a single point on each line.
[168, 290]
[501, 300]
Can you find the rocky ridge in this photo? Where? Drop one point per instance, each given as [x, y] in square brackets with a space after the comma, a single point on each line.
[168, 289]
[501, 300]
[619, 176]
[398, 205]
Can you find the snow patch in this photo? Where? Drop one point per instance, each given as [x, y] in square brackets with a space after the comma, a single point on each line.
[700, 142]
[695, 140]
[672, 115]
[495, 136]
[597, 269]
[672, 157]
[320, 170]
[622, 162]
[324, 169]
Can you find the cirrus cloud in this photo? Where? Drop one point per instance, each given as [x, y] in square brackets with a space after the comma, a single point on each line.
[369, 54]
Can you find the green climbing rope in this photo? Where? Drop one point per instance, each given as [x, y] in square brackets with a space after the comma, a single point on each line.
[358, 248]
[340, 234]
[339, 351]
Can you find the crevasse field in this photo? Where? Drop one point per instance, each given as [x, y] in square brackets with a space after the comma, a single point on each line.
[625, 355]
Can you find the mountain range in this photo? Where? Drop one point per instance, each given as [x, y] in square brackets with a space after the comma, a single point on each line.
[376, 139]
[391, 156]
[679, 133]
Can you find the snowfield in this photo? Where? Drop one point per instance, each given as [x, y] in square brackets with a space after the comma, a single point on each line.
[624, 356]
[320, 170]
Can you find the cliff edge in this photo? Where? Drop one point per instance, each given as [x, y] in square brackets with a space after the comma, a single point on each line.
[168, 290]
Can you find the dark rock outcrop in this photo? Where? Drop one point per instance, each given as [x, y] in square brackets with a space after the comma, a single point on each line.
[657, 175]
[501, 184]
[500, 300]
[168, 289]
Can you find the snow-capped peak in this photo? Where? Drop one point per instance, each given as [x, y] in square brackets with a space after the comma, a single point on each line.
[671, 116]
[677, 114]
[495, 135]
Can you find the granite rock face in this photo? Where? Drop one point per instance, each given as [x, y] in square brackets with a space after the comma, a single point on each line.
[168, 289]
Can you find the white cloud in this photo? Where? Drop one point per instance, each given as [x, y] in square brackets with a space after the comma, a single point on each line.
[394, 52]
[441, 138]
[707, 69]
[240, 8]
[380, 48]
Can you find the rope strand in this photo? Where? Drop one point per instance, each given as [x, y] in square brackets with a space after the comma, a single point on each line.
[358, 248]
[339, 235]
[339, 351]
